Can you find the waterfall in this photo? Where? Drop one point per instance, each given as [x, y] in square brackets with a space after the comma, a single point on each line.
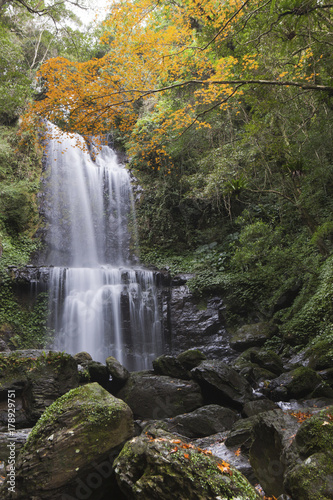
[99, 301]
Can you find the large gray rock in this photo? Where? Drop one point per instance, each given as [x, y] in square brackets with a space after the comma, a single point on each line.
[222, 385]
[118, 374]
[71, 449]
[271, 451]
[162, 467]
[261, 405]
[155, 397]
[38, 378]
[205, 421]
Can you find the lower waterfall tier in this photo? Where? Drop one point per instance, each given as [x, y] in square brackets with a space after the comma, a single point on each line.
[106, 311]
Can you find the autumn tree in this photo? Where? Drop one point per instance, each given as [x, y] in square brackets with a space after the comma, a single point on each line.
[215, 51]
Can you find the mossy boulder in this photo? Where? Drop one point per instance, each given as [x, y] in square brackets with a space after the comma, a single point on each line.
[222, 385]
[312, 479]
[157, 396]
[268, 360]
[251, 335]
[204, 421]
[320, 353]
[295, 384]
[39, 378]
[191, 358]
[316, 434]
[252, 371]
[82, 358]
[171, 367]
[164, 467]
[78, 435]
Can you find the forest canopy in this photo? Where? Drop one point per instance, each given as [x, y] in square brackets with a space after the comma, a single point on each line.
[213, 52]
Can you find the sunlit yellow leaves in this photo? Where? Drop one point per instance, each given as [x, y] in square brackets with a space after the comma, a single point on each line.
[153, 49]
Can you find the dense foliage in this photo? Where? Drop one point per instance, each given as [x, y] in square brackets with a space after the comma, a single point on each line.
[225, 111]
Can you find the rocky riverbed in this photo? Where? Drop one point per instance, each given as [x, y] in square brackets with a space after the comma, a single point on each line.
[190, 428]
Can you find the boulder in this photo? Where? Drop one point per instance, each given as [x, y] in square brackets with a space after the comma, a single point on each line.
[70, 451]
[82, 358]
[233, 455]
[191, 358]
[312, 476]
[268, 360]
[171, 367]
[38, 378]
[316, 433]
[261, 405]
[241, 434]
[163, 467]
[98, 373]
[222, 385]
[312, 479]
[295, 384]
[205, 421]
[271, 452]
[250, 370]
[157, 396]
[252, 335]
[119, 374]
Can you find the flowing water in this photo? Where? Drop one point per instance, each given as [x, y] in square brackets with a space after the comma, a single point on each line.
[99, 301]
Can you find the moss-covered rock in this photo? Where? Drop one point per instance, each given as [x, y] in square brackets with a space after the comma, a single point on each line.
[316, 434]
[163, 467]
[191, 358]
[171, 367]
[312, 479]
[295, 384]
[268, 360]
[76, 436]
[251, 335]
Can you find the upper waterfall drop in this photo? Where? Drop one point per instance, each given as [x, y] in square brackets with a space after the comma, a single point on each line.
[99, 301]
[89, 204]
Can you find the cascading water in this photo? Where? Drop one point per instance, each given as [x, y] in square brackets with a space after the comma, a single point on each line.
[99, 302]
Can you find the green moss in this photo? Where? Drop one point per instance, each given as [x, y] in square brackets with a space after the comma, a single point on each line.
[93, 409]
[316, 434]
[191, 471]
[313, 478]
